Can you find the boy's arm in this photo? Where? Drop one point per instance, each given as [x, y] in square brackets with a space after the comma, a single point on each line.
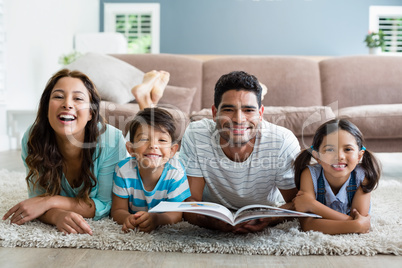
[119, 211]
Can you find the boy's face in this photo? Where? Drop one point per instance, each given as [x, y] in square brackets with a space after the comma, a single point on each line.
[151, 147]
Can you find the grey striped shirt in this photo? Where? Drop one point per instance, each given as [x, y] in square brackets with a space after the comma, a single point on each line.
[236, 184]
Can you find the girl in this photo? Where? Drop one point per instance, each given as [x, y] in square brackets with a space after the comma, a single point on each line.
[337, 187]
[70, 155]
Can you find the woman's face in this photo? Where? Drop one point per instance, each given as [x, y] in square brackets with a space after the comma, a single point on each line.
[69, 108]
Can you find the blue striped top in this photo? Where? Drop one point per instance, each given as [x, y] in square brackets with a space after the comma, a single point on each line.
[172, 185]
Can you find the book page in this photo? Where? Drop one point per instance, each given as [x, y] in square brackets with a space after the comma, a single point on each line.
[263, 211]
[205, 208]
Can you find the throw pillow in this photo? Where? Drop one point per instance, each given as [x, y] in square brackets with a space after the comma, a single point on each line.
[113, 78]
[179, 98]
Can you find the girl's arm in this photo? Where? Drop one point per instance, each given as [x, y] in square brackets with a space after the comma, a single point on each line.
[361, 201]
[333, 222]
[359, 224]
[305, 200]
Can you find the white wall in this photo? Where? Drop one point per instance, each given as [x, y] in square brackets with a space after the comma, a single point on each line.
[37, 34]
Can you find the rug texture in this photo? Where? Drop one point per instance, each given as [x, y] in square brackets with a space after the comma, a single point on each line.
[385, 236]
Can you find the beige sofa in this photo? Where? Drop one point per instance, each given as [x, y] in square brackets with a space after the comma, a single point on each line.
[302, 93]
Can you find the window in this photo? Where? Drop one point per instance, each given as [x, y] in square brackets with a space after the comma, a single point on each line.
[139, 23]
[2, 56]
[388, 19]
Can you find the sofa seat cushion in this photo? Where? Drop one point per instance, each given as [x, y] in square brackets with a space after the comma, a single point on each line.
[113, 78]
[375, 121]
[302, 121]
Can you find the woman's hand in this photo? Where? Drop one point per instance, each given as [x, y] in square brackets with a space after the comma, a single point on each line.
[27, 210]
[70, 222]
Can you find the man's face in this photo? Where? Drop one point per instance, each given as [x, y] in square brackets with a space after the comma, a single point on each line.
[237, 117]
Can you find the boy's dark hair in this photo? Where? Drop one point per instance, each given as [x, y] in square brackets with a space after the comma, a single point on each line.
[370, 164]
[156, 117]
[237, 80]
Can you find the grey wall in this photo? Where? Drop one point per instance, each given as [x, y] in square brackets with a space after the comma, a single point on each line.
[264, 27]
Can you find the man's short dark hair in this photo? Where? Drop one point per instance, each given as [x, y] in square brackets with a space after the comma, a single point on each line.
[155, 117]
[237, 80]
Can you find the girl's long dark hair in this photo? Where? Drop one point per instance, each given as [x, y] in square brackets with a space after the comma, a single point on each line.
[44, 160]
[370, 164]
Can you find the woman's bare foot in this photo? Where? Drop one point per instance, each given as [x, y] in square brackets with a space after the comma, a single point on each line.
[159, 87]
[142, 92]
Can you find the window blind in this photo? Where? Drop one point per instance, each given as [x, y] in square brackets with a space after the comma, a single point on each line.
[391, 26]
[139, 23]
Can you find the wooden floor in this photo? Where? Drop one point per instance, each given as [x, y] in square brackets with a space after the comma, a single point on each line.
[67, 257]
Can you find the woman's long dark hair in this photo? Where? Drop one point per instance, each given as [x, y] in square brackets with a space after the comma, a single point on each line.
[44, 160]
[369, 162]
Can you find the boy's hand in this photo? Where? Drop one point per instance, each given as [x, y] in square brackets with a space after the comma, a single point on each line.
[145, 222]
[129, 223]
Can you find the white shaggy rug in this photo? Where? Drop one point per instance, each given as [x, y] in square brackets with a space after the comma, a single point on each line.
[284, 239]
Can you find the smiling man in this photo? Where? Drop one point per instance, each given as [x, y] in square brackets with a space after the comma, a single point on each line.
[238, 158]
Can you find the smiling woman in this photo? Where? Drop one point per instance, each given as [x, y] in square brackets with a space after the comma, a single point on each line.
[70, 155]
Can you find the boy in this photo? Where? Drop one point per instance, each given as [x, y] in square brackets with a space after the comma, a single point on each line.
[150, 175]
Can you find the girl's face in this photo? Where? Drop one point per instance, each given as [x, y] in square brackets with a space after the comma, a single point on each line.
[339, 154]
[69, 108]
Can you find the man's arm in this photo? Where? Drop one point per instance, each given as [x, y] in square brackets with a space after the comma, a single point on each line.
[197, 185]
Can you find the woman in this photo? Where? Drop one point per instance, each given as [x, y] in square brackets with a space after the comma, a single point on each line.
[70, 155]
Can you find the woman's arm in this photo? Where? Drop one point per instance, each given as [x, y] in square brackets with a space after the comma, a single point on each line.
[35, 207]
[112, 153]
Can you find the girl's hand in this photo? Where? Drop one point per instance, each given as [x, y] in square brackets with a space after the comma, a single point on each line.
[303, 202]
[70, 222]
[363, 221]
[27, 210]
[145, 222]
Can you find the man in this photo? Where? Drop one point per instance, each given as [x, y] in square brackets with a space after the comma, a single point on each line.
[238, 158]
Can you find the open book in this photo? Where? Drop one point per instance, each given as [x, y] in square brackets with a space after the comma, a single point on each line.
[220, 212]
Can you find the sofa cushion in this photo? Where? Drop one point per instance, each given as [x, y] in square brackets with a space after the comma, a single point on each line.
[119, 115]
[291, 81]
[178, 98]
[375, 121]
[302, 121]
[113, 78]
[361, 80]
